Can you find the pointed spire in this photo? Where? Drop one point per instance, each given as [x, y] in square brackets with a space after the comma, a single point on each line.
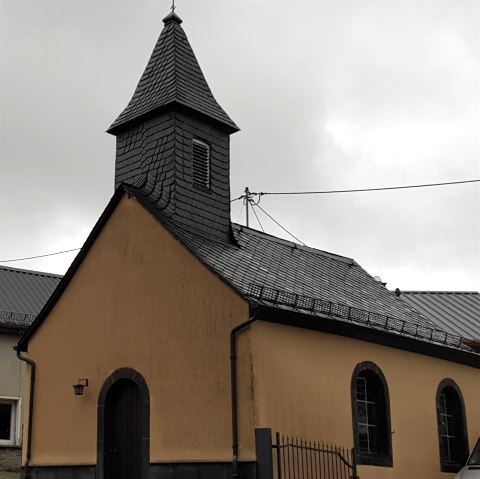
[172, 76]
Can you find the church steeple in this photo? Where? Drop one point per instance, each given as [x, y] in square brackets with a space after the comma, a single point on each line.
[174, 137]
[172, 75]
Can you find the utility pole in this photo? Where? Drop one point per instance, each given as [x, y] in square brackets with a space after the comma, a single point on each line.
[247, 199]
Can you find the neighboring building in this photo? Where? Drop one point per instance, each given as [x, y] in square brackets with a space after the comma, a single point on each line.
[186, 336]
[457, 312]
[22, 295]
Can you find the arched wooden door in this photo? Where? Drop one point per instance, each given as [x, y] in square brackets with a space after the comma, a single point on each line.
[123, 435]
[123, 446]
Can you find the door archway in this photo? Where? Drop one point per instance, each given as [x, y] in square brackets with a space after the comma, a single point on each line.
[123, 427]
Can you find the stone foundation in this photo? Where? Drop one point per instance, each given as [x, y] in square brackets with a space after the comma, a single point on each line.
[191, 470]
[10, 458]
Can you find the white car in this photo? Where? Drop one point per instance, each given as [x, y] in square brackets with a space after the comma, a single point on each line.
[472, 468]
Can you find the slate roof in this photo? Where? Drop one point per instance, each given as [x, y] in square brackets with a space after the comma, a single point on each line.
[23, 294]
[457, 312]
[172, 75]
[259, 266]
[259, 259]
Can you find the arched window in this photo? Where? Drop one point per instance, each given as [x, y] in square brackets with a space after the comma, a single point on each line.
[371, 416]
[452, 426]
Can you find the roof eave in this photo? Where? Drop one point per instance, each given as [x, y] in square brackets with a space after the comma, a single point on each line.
[117, 128]
[328, 325]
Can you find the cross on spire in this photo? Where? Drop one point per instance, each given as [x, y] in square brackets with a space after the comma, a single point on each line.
[172, 8]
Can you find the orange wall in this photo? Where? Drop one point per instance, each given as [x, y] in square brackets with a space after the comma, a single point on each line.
[141, 300]
[302, 387]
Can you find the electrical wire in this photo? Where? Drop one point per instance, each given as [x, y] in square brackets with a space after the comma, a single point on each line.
[263, 193]
[278, 224]
[239, 214]
[365, 189]
[39, 256]
[255, 213]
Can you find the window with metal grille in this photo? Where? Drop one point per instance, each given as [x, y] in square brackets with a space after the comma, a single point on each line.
[371, 416]
[201, 164]
[367, 410]
[451, 427]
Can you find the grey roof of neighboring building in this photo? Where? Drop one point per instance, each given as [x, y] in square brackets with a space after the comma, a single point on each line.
[172, 75]
[23, 294]
[457, 312]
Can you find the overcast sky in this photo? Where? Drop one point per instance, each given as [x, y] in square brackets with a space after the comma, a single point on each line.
[328, 94]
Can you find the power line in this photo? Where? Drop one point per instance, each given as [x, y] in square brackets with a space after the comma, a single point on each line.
[365, 189]
[263, 193]
[278, 224]
[39, 256]
[241, 209]
[255, 213]
[358, 190]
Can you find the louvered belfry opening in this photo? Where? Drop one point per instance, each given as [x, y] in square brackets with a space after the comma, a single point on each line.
[201, 164]
[173, 139]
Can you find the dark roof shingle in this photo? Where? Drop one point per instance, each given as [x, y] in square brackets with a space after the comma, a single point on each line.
[260, 259]
[172, 75]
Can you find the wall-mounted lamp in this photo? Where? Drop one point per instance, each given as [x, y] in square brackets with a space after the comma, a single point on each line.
[80, 386]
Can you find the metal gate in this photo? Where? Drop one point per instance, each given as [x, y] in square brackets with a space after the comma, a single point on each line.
[302, 459]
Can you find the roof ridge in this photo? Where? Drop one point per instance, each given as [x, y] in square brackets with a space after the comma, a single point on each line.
[30, 272]
[175, 56]
[311, 249]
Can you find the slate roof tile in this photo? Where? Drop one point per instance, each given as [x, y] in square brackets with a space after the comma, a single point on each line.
[261, 259]
[172, 75]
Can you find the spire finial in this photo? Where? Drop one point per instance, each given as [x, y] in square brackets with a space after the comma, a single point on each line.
[172, 16]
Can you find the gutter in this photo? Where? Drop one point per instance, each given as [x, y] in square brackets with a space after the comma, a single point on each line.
[233, 387]
[30, 410]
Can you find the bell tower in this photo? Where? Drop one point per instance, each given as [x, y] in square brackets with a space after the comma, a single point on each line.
[173, 138]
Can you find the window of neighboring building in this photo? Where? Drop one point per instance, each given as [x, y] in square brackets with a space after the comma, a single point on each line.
[452, 426]
[9, 421]
[371, 416]
[201, 164]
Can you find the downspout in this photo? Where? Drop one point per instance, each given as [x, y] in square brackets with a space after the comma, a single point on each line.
[233, 383]
[30, 410]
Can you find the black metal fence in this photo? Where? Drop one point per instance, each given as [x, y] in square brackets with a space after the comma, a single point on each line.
[303, 459]
[354, 315]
